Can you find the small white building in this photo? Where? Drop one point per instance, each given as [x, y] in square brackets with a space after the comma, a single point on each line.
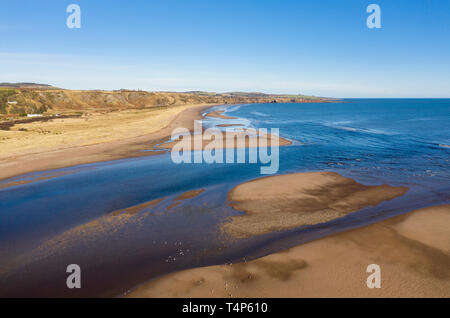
[13, 102]
[34, 115]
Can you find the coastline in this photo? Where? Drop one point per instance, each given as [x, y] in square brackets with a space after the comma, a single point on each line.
[120, 148]
[344, 193]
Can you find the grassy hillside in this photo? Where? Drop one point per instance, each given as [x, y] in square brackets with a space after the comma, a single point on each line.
[22, 101]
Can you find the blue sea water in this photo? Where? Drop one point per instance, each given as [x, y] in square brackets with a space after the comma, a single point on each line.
[404, 140]
[375, 141]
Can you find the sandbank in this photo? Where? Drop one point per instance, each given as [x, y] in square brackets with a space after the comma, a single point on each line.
[412, 250]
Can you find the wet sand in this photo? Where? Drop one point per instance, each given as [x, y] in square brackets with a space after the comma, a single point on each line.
[219, 114]
[412, 250]
[102, 228]
[187, 195]
[231, 139]
[230, 125]
[287, 201]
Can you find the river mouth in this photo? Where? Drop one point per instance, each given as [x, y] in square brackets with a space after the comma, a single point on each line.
[99, 216]
[124, 247]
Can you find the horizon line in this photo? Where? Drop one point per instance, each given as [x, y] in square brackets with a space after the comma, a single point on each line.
[51, 86]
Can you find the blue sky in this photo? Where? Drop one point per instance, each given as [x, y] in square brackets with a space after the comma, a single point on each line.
[320, 48]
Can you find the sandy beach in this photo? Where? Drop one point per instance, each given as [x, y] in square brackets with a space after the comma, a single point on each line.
[412, 250]
[96, 138]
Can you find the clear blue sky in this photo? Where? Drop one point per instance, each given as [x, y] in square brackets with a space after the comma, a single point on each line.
[280, 46]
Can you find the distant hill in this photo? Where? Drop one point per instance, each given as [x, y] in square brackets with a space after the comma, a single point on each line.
[251, 95]
[30, 98]
[27, 85]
